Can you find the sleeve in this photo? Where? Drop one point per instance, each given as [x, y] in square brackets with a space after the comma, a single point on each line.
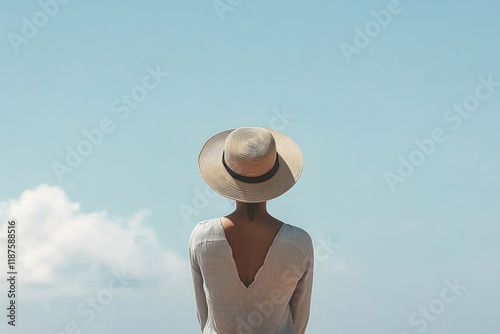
[300, 303]
[199, 292]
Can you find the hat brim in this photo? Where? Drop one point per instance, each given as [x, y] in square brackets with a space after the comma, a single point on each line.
[217, 177]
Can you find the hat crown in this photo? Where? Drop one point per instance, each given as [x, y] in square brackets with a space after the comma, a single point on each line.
[250, 151]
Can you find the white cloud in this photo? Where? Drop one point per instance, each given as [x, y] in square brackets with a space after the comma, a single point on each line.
[63, 251]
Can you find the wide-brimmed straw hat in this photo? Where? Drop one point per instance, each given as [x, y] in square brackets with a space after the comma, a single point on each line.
[250, 164]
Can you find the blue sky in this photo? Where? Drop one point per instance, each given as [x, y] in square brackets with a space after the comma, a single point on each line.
[386, 249]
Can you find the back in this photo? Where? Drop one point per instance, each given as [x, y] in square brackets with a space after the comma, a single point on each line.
[277, 301]
[250, 244]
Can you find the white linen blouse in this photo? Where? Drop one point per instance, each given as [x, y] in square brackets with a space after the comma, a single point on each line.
[277, 302]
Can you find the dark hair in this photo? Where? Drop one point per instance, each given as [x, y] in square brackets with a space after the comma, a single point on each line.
[251, 209]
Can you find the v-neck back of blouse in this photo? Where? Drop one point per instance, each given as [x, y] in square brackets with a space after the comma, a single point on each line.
[262, 267]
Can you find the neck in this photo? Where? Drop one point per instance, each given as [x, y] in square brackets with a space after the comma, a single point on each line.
[258, 213]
